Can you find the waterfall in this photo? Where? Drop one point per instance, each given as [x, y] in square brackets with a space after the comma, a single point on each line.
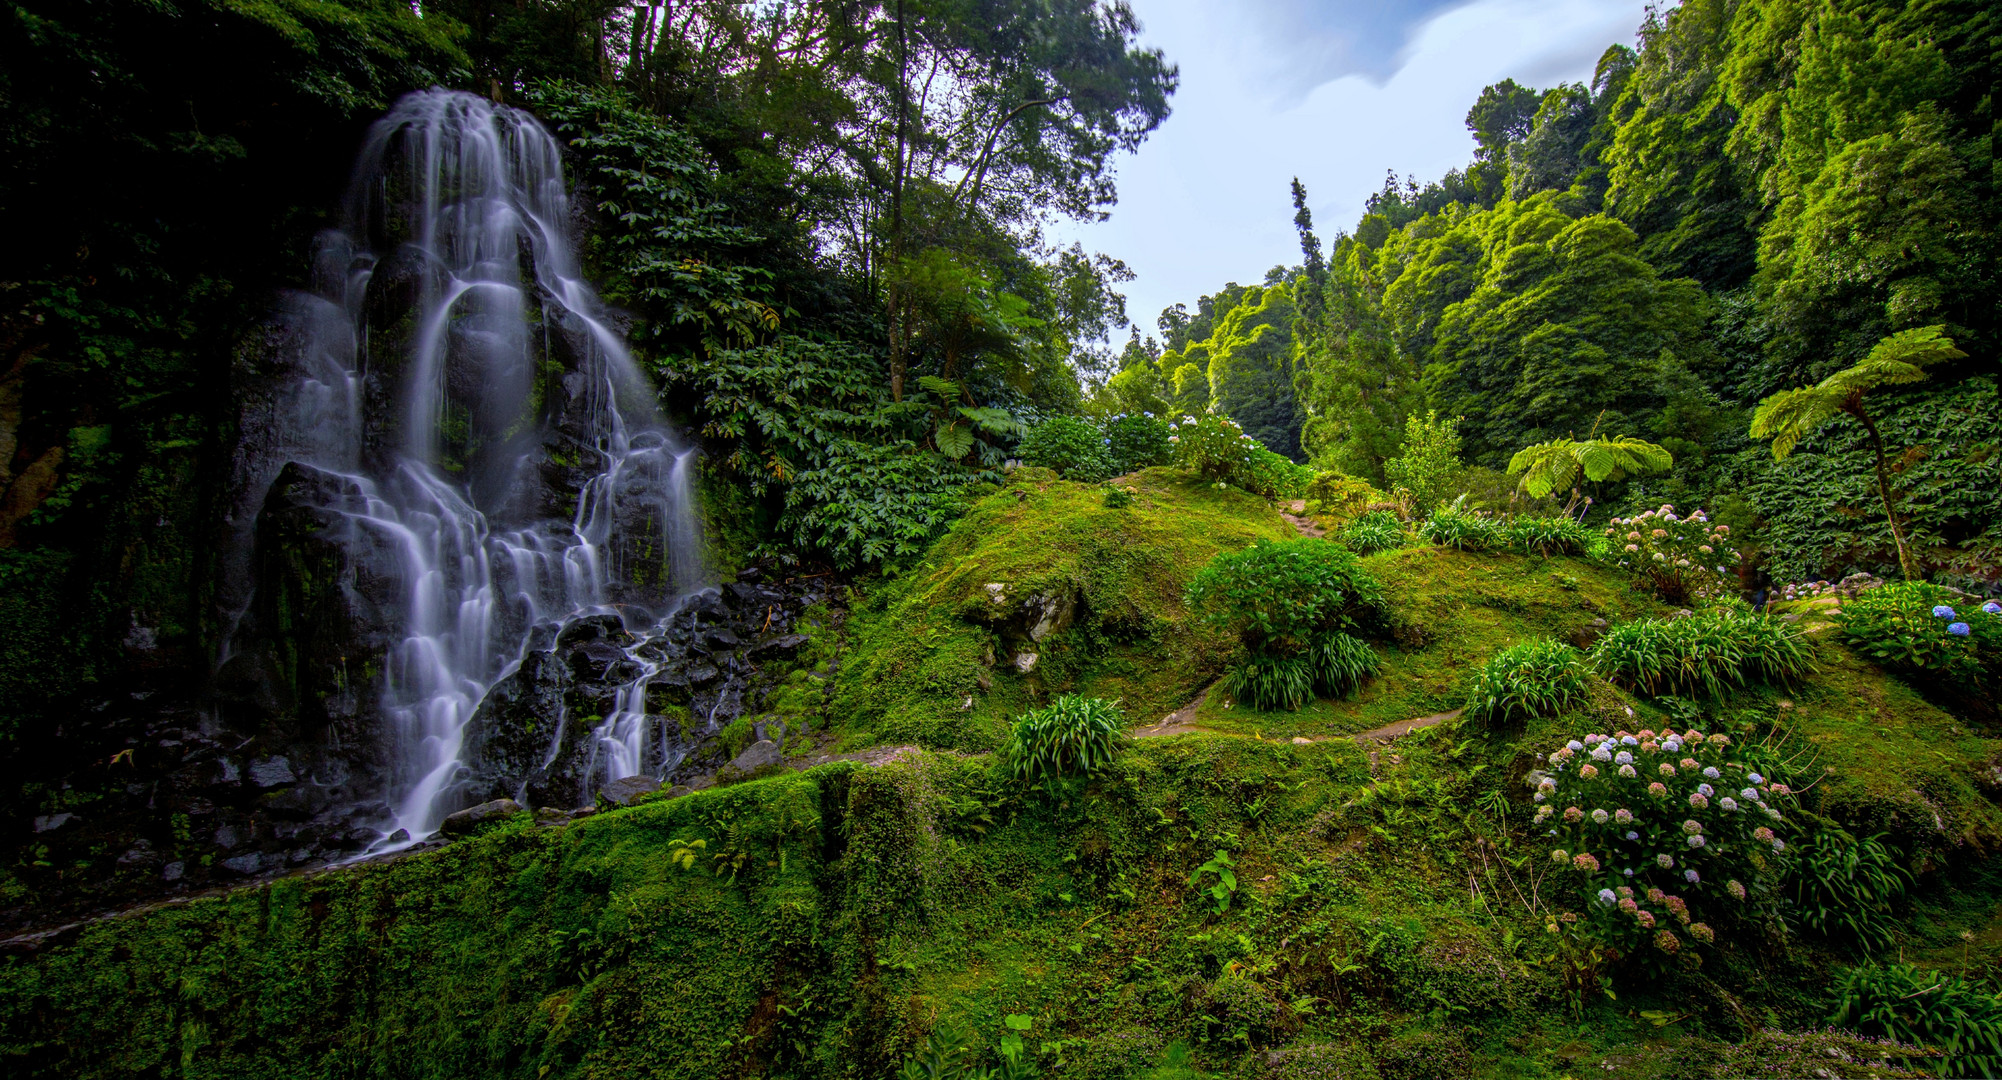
[466, 412]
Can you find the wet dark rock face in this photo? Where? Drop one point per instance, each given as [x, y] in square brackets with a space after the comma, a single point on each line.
[532, 738]
[188, 792]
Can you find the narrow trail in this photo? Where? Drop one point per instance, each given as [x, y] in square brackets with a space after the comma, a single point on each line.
[1296, 516]
[1183, 722]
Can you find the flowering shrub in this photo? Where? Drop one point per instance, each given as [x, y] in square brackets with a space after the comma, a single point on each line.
[1289, 603]
[1677, 558]
[1213, 446]
[1218, 450]
[1710, 651]
[1911, 626]
[1660, 829]
[1535, 678]
[1135, 442]
[1075, 448]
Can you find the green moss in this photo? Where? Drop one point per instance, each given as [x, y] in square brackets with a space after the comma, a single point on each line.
[1451, 612]
[931, 652]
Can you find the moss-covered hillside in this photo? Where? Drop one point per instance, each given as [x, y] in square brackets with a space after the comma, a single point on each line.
[1046, 586]
[1252, 895]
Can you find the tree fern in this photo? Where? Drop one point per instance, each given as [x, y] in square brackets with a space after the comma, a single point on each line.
[1792, 415]
[1555, 465]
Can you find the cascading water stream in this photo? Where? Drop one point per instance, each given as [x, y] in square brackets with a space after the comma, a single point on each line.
[462, 386]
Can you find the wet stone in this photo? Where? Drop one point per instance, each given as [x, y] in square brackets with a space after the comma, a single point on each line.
[626, 789]
[271, 772]
[471, 818]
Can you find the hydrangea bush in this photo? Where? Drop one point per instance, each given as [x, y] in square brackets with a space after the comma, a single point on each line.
[1075, 448]
[1660, 832]
[1216, 448]
[1677, 558]
[1135, 442]
[1911, 626]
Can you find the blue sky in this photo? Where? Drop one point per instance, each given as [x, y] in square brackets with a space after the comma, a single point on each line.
[1334, 92]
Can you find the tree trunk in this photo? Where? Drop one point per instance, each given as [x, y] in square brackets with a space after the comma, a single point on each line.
[1884, 493]
[895, 291]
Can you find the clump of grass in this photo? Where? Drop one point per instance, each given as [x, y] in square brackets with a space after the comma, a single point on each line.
[1924, 1008]
[1268, 682]
[1543, 677]
[1547, 536]
[1072, 736]
[1710, 652]
[1378, 530]
[1844, 887]
[1449, 527]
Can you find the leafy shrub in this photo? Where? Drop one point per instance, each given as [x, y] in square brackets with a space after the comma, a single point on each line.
[950, 1054]
[1377, 530]
[1339, 499]
[1677, 558]
[1535, 678]
[1910, 627]
[1660, 827]
[1213, 446]
[1075, 448]
[1267, 681]
[1072, 736]
[1455, 528]
[1710, 651]
[872, 503]
[1429, 460]
[1547, 536]
[1925, 1008]
[1844, 887]
[1135, 442]
[1289, 603]
[1274, 476]
[1280, 596]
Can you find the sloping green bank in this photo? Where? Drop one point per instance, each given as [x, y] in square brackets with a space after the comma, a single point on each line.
[1043, 588]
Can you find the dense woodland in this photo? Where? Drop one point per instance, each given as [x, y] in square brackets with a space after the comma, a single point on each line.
[1372, 533]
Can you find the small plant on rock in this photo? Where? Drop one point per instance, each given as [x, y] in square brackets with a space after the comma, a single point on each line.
[1535, 678]
[1291, 605]
[1072, 736]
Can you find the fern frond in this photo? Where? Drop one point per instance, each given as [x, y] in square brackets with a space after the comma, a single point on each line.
[1791, 415]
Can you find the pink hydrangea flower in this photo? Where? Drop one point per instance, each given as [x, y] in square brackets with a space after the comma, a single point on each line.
[1573, 815]
[1702, 933]
[1657, 790]
[1736, 890]
[1586, 862]
[1646, 919]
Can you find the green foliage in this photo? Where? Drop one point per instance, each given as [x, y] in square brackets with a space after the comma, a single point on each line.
[1136, 442]
[1279, 598]
[1709, 652]
[1455, 528]
[1337, 499]
[949, 1054]
[1214, 447]
[1073, 736]
[1547, 536]
[1924, 1008]
[1377, 530]
[1556, 465]
[1243, 364]
[1895, 624]
[1075, 448]
[1842, 887]
[1822, 513]
[1224, 871]
[872, 503]
[1658, 831]
[1537, 678]
[1270, 681]
[1429, 461]
[1340, 663]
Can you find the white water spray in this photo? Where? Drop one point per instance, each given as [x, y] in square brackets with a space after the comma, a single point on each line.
[455, 355]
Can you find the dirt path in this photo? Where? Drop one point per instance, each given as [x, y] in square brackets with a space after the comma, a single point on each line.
[1296, 516]
[1183, 722]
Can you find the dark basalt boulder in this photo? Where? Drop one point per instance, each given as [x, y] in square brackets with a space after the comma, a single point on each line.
[472, 818]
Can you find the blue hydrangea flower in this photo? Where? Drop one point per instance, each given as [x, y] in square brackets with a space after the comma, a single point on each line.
[1632, 835]
[1959, 629]
[1942, 612]
[1992, 608]
[1607, 898]
[1692, 876]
